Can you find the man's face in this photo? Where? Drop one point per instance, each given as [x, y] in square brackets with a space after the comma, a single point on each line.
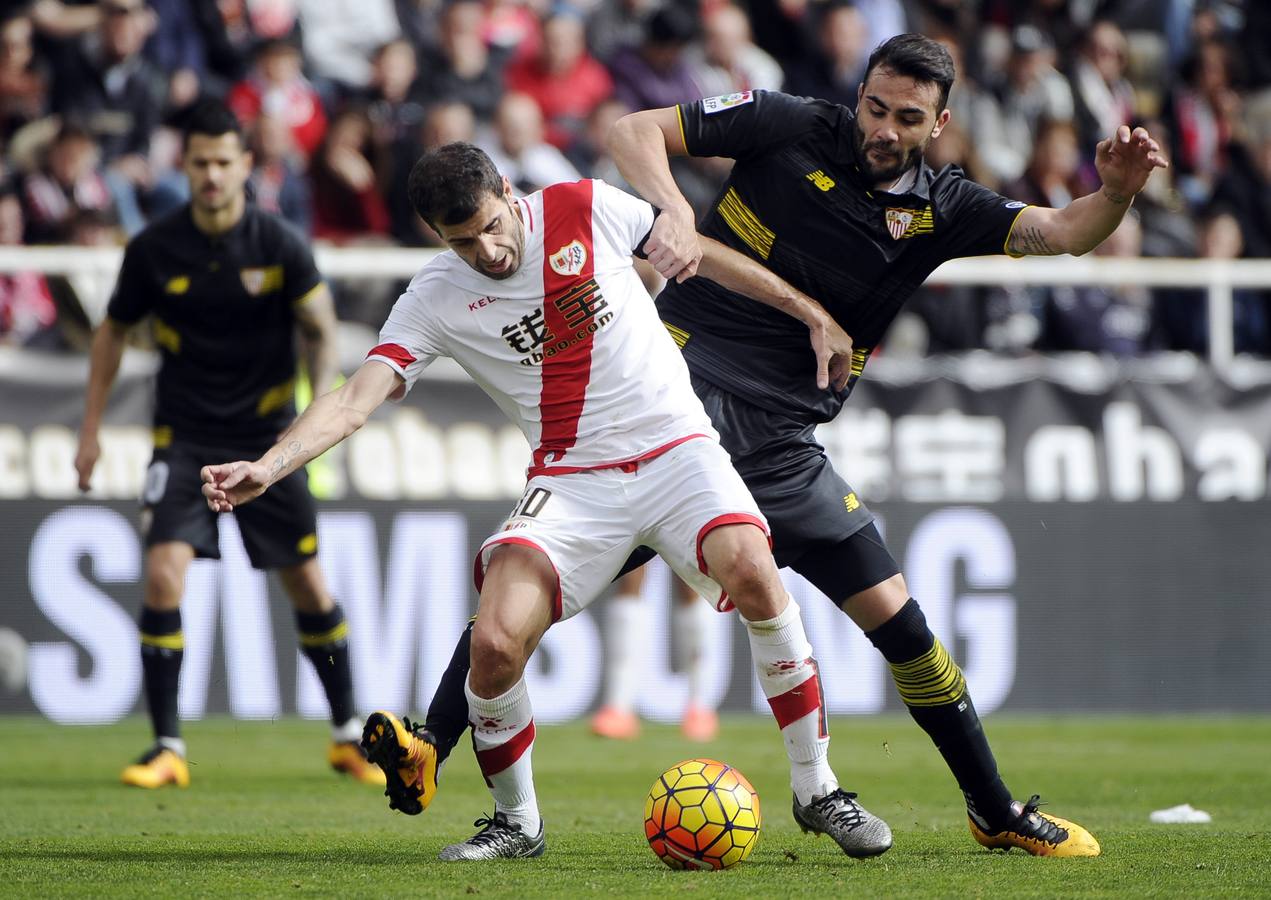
[125, 25]
[896, 118]
[218, 167]
[493, 240]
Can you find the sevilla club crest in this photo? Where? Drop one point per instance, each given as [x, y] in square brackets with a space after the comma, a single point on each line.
[898, 221]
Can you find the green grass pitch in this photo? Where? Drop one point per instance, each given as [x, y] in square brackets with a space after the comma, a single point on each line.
[264, 816]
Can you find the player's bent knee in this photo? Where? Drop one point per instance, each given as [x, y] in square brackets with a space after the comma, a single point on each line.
[498, 658]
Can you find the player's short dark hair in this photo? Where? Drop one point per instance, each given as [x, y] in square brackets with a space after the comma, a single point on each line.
[448, 185]
[212, 118]
[918, 57]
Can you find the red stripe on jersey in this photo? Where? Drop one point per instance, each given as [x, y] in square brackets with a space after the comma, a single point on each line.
[395, 352]
[567, 241]
[626, 465]
[797, 702]
[497, 759]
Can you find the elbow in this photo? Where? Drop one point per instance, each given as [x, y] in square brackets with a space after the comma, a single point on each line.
[621, 133]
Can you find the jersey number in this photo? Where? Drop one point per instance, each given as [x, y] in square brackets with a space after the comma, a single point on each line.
[532, 503]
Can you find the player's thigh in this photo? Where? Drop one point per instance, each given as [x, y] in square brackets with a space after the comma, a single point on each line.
[516, 605]
[690, 492]
[280, 527]
[173, 509]
[580, 523]
[858, 573]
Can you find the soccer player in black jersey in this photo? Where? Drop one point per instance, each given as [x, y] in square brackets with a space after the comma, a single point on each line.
[839, 204]
[226, 286]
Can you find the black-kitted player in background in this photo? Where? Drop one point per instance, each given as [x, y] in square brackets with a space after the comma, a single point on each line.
[840, 204]
[227, 287]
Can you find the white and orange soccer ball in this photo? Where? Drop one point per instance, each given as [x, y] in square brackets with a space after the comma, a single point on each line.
[702, 814]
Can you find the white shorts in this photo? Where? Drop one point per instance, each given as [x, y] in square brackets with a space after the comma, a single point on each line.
[588, 523]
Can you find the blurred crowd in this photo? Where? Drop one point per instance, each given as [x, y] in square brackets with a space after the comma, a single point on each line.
[340, 96]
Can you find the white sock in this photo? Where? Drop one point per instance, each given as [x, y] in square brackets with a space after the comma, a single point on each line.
[503, 733]
[175, 744]
[689, 621]
[624, 636]
[348, 732]
[788, 676]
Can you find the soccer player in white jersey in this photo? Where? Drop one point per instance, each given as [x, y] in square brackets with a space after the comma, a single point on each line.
[540, 303]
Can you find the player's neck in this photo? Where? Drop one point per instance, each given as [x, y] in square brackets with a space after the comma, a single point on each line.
[900, 185]
[214, 222]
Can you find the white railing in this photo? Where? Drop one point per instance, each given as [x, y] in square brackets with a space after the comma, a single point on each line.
[1218, 278]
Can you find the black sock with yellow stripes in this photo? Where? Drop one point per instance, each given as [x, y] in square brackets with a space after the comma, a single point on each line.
[162, 648]
[324, 639]
[447, 718]
[933, 689]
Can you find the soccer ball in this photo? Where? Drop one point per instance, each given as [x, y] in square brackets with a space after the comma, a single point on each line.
[702, 814]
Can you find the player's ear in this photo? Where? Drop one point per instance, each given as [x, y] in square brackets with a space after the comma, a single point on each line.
[941, 121]
[507, 187]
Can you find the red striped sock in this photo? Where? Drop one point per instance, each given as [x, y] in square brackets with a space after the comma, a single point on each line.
[789, 678]
[503, 733]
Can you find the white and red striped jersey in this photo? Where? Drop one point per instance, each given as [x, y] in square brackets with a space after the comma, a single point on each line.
[570, 347]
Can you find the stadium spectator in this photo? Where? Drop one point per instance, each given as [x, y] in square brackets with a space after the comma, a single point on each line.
[589, 153]
[462, 67]
[656, 72]
[1055, 175]
[277, 86]
[445, 123]
[109, 86]
[614, 24]
[728, 60]
[340, 37]
[832, 70]
[177, 48]
[347, 202]
[511, 28]
[59, 20]
[1114, 319]
[1103, 97]
[520, 150]
[278, 183]
[395, 111]
[563, 78]
[1184, 321]
[1030, 91]
[23, 78]
[1204, 114]
[27, 312]
[68, 180]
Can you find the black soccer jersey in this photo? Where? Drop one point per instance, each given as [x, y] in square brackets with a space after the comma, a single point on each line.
[797, 202]
[223, 319]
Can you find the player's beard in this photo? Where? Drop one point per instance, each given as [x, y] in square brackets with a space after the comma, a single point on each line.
[879, 174]
[519, 230]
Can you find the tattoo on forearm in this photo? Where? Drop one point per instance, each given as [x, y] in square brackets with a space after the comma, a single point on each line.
[1114, 197]
[290, 452]
[1031, 242]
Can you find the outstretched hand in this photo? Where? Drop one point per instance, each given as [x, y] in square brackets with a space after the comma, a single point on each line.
[833, 348]
[1125, 160]
[673, 248]
[229, 485]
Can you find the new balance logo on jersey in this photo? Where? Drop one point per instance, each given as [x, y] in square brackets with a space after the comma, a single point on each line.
[821, 180]
[569, 260]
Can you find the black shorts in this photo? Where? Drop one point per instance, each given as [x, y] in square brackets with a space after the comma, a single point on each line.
[279, 527]
[820, 527]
